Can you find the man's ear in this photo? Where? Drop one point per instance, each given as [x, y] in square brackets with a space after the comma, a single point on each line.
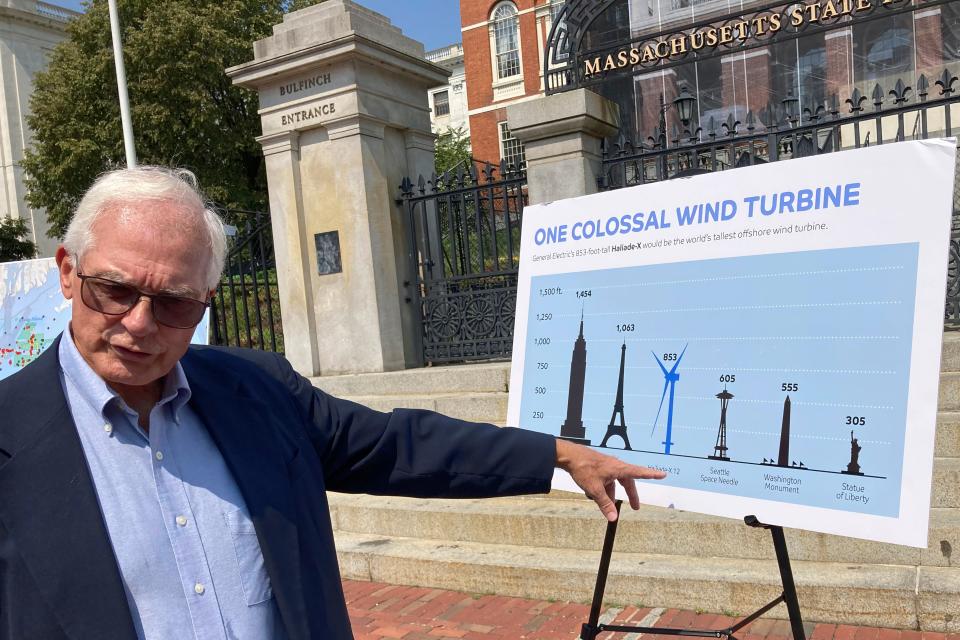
[67, 269]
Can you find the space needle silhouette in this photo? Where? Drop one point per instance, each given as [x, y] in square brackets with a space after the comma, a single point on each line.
[670, 380]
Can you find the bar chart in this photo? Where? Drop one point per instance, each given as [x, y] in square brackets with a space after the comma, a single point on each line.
[780, 376]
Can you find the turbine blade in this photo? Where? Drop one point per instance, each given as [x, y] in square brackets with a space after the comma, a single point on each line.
[677, 363]
[662, 396]
[662, 368]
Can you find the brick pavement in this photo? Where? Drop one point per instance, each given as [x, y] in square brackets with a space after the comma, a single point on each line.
[381, 611]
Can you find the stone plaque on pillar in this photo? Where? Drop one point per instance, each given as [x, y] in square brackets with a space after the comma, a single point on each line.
[351, 91]
[328, 252]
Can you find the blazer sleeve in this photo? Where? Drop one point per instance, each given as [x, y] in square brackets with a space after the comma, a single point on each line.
[413, 452]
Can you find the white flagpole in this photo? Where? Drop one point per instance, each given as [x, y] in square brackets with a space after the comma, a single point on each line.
[122, 87]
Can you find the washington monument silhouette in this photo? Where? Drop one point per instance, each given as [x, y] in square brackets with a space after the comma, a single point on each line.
[783, 460]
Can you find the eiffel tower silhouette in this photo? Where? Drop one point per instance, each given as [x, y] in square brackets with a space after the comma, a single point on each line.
[614, 429]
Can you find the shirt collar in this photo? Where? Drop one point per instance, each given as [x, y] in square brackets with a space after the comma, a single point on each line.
[94, 390]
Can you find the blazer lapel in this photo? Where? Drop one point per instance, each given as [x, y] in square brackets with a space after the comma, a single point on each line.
[241, 427]
[49, 507]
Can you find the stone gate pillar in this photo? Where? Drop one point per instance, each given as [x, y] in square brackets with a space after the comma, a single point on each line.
[561, 135]
[345, 117]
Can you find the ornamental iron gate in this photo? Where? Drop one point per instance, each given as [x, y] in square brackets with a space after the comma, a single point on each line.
[245, 312]
[464, 231]
[592, 43]
[780, 132]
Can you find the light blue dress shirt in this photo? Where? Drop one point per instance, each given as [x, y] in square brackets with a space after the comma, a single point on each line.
[186, 547]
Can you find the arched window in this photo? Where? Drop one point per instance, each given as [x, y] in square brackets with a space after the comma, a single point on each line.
[506, 40]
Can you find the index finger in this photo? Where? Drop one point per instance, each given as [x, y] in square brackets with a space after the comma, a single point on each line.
[644, 473]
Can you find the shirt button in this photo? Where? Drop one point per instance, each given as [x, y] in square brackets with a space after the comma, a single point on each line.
[199, 588]
[182, 521]
[159, 455]
[108, 428]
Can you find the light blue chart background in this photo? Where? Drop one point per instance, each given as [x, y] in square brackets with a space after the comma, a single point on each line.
[836, 323]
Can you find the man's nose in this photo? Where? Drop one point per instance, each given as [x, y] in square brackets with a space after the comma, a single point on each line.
[140, 317]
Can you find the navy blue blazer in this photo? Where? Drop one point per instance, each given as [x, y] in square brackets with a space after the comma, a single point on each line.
[286, 444]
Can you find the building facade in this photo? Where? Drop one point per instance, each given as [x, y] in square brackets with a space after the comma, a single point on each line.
[503, 42]
[448, 103]
[29, 30]
[763, 62]
[855, 54]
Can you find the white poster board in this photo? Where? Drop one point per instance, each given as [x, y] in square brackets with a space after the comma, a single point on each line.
[33, 312]
[774, 331]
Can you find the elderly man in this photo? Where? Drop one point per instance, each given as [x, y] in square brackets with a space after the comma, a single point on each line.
[151, 490]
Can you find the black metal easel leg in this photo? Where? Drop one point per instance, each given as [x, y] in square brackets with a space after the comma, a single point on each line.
[591, 629]
[789, 588]
[789, 596]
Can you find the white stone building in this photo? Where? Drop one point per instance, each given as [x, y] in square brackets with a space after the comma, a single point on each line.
[448, 103]
[29, 30]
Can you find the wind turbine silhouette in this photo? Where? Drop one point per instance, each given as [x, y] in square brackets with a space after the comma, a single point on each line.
[670, 380]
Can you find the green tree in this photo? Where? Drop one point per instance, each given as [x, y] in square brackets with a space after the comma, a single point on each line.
[452, 149]
[185, 110]
[13, 240]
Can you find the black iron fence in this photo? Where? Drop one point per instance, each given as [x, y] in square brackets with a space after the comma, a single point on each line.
[245, 312]
[464, 231]
[790, 130]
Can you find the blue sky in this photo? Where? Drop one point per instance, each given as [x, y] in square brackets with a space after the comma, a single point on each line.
[435, 23]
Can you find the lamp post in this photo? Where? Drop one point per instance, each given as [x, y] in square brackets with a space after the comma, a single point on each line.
[683, 103]
[791, 106]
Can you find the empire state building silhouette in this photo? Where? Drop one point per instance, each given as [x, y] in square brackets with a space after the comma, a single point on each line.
[572, 428]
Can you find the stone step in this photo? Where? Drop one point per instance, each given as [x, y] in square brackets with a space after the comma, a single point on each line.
[492, 407]
[549, 521]
[946, 483]
[948, 434]
[490, 377]
[950, 361]
[949, 395]
[861, 594]
[472, 378]
[478, 407]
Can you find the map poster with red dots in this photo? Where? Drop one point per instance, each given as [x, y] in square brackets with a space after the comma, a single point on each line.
[33, 312]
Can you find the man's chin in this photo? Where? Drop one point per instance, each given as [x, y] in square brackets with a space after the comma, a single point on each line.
[130, 372]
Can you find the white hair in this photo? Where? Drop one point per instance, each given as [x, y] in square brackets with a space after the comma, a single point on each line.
[153, 183]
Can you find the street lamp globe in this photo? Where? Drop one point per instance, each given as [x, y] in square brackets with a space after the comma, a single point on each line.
[684, 103]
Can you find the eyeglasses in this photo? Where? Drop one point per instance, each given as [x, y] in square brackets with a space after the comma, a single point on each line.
[116, 298]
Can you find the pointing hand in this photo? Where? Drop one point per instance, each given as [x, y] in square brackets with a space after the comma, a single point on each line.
[597, 474]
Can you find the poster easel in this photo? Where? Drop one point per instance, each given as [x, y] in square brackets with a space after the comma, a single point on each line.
[593, 627]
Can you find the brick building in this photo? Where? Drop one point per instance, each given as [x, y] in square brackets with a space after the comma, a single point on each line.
[503, 42]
